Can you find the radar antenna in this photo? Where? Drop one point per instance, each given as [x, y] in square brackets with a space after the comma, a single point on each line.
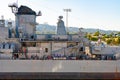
[39, 13]
[14, 7]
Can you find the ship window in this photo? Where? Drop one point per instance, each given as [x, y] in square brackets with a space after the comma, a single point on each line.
[71, 45]
[46, 50]
[81, 49]
[3, 46]
[32, 37]
[76, 43]
[24, 44]
[32, 44]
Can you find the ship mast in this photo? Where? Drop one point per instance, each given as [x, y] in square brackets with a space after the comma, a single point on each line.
[17, 2]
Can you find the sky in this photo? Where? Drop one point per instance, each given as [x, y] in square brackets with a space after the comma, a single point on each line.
[99, 14]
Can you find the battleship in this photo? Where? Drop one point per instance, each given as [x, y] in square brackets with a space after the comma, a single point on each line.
[27, 55]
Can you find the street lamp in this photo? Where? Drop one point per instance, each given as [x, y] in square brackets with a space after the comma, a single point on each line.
[67, 10]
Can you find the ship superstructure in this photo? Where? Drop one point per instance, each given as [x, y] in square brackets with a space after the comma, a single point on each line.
[31, 44]
[24, 43]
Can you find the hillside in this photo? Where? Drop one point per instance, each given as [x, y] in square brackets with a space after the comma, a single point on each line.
[45, 28]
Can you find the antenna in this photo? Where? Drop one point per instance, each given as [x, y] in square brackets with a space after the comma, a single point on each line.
[17, 2]
[39, 13]
[60, 17]
[2, 17]
[14, 7]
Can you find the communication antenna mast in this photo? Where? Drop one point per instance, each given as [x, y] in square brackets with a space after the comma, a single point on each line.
[2, 17]
[14, 7]
[17, 2]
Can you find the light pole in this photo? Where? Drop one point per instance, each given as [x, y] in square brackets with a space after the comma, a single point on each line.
[67, 10]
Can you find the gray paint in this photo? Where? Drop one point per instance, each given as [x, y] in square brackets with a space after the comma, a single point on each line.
[92, 66]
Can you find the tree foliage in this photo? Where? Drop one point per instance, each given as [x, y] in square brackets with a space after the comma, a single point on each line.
[96, 33]
[94, 39]
[110, 39]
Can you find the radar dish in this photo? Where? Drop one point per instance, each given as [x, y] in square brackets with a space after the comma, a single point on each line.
[13, 5]
[60, 17]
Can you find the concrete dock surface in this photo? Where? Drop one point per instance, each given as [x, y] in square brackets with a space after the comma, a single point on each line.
[60, 69]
